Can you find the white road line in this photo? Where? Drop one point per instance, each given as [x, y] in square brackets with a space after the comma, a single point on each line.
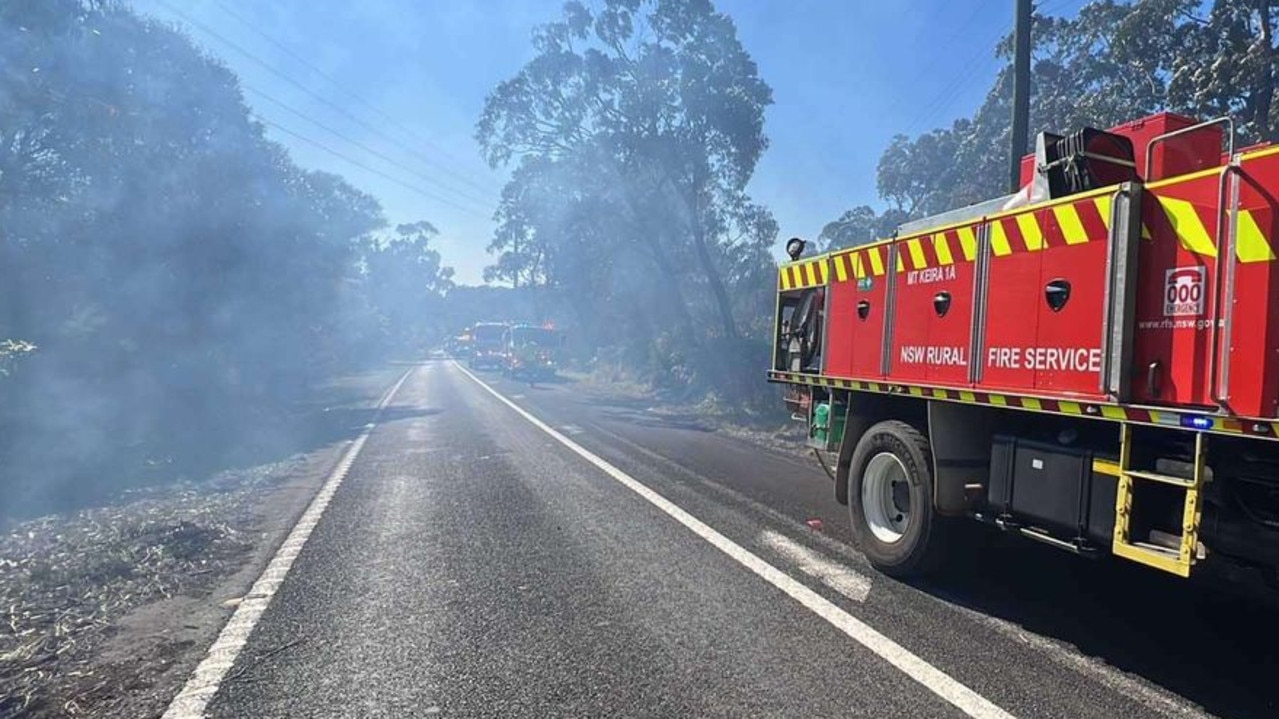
[191, 702]
[833, 574]
[1157, 699]
[932, 678]
[778, 518]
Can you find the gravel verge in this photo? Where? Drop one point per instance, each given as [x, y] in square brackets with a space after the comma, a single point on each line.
[105, 611]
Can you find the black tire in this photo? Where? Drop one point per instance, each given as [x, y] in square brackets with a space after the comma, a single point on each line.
[921, 546]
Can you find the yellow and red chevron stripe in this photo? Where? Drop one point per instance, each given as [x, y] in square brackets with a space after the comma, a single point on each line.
[1064, 224]
[799, 275]
[938, 249]
[1194, 225]
[1264, 429]
[1073, 221]
[866, 261]
[1069, 223]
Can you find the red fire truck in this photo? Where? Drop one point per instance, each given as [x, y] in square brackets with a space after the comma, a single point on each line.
[487, 348]
[1092, 362]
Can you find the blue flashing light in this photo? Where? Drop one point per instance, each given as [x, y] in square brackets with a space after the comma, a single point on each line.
[1196, 421]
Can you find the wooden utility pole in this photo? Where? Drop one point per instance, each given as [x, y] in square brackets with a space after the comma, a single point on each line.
[1021, 93]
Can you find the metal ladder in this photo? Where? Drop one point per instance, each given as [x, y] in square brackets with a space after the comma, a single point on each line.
[1176, 561]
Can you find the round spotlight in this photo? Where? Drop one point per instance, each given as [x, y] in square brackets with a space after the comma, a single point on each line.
[795, 247]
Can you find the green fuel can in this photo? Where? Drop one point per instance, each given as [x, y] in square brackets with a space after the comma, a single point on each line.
[820, 431]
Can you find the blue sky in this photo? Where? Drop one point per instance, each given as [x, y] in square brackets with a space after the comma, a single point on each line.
[411, 78]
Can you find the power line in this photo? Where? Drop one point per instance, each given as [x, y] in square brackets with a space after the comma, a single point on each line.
[944, 99]
[365, 167]
[952, 92]
[349, 93]
[283, 76]
[939, 58]
[352, 141]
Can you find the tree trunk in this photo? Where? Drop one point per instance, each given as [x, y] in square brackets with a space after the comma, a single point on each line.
[675, 296]
[722, 301]
[669, 276]
[723, 305]
[515, 252]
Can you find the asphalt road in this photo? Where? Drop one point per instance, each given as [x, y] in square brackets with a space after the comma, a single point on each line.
[473, 564]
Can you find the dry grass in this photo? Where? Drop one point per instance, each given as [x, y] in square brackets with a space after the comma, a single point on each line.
[65, 580]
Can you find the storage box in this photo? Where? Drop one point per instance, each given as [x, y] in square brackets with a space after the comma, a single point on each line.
[1051, 487]
[1180, 155]
[1050, 484]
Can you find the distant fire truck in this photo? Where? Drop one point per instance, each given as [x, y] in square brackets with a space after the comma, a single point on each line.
[531, 351]
[487, 348]
[1092, 362]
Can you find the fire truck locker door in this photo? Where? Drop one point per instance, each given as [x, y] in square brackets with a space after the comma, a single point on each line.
[1248, 342]
[1085, 316]
[1013, 291]
[870, 267]
[912, 315]
[841, 319]
[1070, 303]
[1176, 285]
[858, 302]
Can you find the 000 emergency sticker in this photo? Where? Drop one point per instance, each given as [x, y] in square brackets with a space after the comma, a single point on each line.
[1184, 291]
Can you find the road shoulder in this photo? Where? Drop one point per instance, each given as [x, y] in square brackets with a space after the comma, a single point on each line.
[111, 607]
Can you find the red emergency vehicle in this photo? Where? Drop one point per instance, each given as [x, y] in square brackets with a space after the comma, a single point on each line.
[1092, 362]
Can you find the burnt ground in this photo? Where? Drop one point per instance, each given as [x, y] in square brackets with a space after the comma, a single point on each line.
[106, 610]
[769, 425]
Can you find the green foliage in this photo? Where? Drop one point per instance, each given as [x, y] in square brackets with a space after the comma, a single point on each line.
[178, 271]
[1117, 60]
[406, 282]
[634, 131]
[914, 175]
[1226, 64]
[859, 226]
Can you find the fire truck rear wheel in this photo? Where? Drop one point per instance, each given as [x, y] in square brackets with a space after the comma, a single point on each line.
[891, 500]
